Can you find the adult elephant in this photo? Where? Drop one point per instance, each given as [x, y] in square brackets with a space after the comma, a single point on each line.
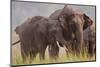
[36, 36]
[73, 23]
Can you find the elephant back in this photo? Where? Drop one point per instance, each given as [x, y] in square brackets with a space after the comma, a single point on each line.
[55, 14]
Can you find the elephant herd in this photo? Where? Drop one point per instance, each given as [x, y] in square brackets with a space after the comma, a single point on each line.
[66, 26]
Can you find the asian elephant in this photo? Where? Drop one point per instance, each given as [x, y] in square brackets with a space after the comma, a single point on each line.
[28, 48]
[73, 23]
[36, 36]
[90, 39]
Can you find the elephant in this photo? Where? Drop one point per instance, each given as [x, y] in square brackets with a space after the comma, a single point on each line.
[73, 23]
[36, 36]
[25, 32]
[90, 39]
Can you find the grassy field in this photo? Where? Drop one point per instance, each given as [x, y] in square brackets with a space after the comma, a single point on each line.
[17, 59]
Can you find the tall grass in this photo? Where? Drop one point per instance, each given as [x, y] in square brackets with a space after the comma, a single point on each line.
[63, 57]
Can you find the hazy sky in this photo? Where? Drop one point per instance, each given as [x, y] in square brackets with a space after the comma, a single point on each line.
[23, 10]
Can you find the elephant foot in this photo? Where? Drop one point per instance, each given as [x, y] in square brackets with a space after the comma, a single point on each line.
[42, 56]
[53, 55]
[53, 58]
[90, 55]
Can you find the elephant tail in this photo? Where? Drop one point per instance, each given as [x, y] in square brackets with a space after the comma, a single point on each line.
[16, 42]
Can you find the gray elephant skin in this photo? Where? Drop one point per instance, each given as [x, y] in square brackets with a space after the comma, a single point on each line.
[90, 39]
[36, 36]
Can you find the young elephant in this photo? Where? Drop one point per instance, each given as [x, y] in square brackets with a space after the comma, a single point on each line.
[90, 39]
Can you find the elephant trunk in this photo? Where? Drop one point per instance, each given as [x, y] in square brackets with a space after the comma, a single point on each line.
[79, 40]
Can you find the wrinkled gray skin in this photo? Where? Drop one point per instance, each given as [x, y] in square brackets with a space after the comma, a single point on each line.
[90, 39]
[35, 36]
[73, 23]
[25, 32]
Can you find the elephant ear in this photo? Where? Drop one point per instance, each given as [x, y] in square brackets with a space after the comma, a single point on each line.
[87, 21]
[62, 21]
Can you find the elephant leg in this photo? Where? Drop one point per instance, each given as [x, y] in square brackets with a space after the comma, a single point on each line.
[53, 51]
[73, 45]
[42, 51]
[84, 48]
[24, 52]
[33, 54]
[91, 49]
[68, 48]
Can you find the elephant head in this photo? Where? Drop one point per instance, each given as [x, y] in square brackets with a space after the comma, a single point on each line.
[68, 12]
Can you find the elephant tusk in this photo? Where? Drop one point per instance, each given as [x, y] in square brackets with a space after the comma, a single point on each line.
[60, 45]
[57, 43]
[16, 42]
[66, 49]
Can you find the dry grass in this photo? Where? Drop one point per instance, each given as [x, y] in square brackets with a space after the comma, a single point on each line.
[17, 59]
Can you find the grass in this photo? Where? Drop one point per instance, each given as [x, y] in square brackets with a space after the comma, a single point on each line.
[17, 59]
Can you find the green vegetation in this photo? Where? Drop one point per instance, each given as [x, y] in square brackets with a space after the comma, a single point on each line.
[70, 57]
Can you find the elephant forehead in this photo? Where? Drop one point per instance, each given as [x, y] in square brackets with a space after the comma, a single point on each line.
[77, 18]
[69, 11]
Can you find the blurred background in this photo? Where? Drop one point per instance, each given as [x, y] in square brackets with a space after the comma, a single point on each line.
[23, 10]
